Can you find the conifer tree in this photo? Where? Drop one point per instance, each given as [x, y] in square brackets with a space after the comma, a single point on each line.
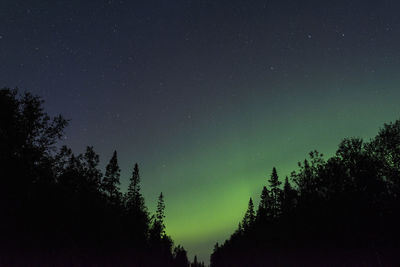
[264, 207]
[180, 257]
[136, 211]
[288, 197]
[92, 173]
[134, 199]
[249, 217]
[111, 181]
[195, 263]
[157, 230]
[160, 211]
[275, 193]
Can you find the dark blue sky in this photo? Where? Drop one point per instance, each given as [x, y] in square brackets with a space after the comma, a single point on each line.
[207, 96]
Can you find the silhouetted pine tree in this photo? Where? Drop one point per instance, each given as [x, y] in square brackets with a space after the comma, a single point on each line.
[160, 212]
[110, 183]
[275, 193]
[249, 217]
[180, 257]
[288, 198]
[196, 263]
[158, 226]
[90, 168]
[134, 199]
[137, 218]
[159, 241]
[265, 205]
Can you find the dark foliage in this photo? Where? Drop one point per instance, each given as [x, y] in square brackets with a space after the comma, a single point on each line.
[58, 208]
[196, 263]
[343, 211]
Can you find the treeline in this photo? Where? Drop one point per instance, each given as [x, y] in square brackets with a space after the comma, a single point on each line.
[59, 209]
[344, 211]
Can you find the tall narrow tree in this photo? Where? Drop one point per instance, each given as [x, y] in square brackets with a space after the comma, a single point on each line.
[288, 198]
[90, 168]
[195, 263]
[180, 257]
[249, 217]
[160, 212]
[274, 184]
[264, 207]
[136, 212]
[157, 230]
[110, 183]
[134, 199]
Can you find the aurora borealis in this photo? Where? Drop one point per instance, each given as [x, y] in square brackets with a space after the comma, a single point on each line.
[207, 96]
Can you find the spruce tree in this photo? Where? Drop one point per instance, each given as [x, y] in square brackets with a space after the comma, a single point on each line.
[92, 173]
[251, 213]
[134, 199]
[180, 257]
[264, 207]
[111, 181]
[249, 217]
[274, 184]
[195, 263]
[157, 230]
[288, 197]
[160, 211]
[136, 211]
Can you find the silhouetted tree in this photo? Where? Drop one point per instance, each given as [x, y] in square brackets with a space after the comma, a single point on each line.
[275, 193]
[196, 263]
[249, 217]
[90, 168]
[385, 147]
[27, 142]
[134, 199]
[288, 199]
[159, 241]
[215, 258]
[137, 223]
[110, 183]
[265, 205]
[158, 226]
[180, 257]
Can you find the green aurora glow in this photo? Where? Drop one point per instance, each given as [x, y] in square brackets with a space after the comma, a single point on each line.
[209, 173]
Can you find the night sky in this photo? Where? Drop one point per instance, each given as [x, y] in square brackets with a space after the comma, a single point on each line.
[207, 96]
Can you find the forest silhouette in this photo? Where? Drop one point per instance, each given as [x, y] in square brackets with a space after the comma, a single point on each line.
[59, 209]
[344, 211]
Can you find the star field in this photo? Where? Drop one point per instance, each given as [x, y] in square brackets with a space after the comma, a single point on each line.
[207, 96]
